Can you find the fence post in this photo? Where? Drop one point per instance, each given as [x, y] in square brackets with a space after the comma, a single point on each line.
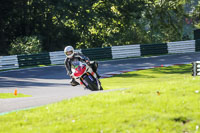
[194, 69]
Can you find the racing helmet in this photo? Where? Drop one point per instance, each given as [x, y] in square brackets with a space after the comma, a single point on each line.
[69, 51]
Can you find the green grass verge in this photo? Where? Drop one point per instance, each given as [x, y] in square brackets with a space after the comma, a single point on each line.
[160, 100]
[11, 95]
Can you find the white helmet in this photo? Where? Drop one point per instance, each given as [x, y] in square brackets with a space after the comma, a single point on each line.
[69, 51]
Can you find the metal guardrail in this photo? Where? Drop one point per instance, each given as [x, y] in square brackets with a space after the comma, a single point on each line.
[125, 51]
[58, 57]
[197, 45]
[8, 62]
[153, 49]
[115, 52]
[181, 46]
[98, 53]
[34, 59]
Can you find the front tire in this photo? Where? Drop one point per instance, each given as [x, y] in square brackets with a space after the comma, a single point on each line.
[91, 85]
[101, 88]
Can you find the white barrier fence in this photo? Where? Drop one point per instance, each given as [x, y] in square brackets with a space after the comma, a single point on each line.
[181, 47]
[125, 51]
[8, 62]
[58, 57]
[196, 68]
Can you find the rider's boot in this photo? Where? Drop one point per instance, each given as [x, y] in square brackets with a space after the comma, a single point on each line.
[73, 82]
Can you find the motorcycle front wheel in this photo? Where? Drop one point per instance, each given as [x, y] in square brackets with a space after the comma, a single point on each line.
[91, 84]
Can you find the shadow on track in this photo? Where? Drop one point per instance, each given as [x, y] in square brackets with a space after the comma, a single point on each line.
[10, 83]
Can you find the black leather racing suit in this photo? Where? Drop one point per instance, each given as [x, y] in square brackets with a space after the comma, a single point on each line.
[77, 56]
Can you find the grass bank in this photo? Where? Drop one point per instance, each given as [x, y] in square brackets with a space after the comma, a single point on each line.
[11, 95]
[160, 100]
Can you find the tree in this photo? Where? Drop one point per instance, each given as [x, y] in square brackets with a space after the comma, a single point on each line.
[165, 19]
[93, 23]
[26, 45]
[195, 15]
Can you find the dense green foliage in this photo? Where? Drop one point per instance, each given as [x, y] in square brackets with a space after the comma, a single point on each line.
[87, 24]
[196, 15]
[26, 45]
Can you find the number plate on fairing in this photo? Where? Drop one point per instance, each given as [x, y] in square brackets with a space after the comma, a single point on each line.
[90, 77]
[85, 82]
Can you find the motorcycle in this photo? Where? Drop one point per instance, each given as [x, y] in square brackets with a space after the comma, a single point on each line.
[84, 75]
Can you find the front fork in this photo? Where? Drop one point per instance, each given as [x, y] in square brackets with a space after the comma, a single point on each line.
[94, 76]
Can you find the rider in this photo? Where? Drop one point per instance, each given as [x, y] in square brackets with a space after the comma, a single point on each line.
[71, 56]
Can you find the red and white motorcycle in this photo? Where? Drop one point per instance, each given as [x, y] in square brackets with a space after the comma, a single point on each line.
[84, 75]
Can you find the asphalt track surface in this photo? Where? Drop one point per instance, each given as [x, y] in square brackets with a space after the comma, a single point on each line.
[51, 84]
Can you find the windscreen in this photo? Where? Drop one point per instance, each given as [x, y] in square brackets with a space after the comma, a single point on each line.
[75, 64]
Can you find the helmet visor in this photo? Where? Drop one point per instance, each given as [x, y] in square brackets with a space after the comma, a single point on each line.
[68, 53]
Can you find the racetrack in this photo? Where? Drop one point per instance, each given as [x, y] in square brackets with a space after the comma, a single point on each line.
[50, 84]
